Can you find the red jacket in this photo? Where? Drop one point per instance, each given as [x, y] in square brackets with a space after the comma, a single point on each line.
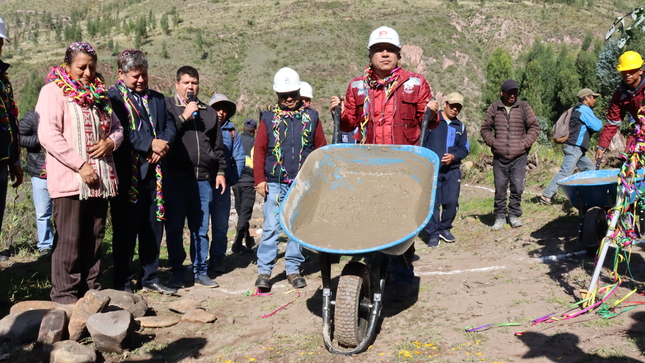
[398, 121]
[624, 100]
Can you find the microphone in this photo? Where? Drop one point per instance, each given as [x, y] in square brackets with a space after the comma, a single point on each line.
[191, 98]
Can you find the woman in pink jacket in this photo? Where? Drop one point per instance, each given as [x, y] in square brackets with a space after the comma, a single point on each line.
[79, 132]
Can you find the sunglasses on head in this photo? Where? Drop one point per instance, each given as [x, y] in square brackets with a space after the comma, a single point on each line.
[284, 96]
[454, 105]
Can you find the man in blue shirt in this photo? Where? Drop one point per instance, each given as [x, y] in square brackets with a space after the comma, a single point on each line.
[449, 140]
[582, 125]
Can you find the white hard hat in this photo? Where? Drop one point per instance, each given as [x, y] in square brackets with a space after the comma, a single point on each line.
[384, 34]
[3, 29]
[306, 90]
[286, 80]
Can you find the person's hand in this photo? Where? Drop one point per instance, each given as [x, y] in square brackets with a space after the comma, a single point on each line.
[190, 109]
[88, 175]
[433, 105]
[335, 101]
[599, 153]
[220, 181]
[447, 159]
[15, 171]
[102, 148]
[153, 158]
[160, 147]
[263, 189]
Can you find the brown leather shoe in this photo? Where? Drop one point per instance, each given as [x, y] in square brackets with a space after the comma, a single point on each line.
[297, 281]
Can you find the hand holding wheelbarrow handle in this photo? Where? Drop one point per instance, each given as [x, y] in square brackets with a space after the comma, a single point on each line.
[336, 116]
[424, 125]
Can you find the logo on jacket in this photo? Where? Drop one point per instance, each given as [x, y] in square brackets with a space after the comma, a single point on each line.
[408, 87]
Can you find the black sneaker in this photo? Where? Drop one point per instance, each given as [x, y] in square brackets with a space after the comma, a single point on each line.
[176, 280]
[263, 281]
[447, 236]
[297, 281]
[434, 241]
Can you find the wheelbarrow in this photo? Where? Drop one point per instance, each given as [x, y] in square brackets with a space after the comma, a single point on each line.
[365, 201]
[593, 193]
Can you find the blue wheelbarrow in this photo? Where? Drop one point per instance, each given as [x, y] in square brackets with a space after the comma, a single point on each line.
[593, 193]
[366, 201]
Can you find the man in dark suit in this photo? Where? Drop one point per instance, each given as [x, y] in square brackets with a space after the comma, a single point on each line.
[138, 210]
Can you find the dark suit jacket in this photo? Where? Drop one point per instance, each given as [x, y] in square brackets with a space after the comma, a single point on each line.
[139, 139]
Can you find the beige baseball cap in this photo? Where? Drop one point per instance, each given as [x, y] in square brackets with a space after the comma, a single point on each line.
[455, 97]
[587, 92]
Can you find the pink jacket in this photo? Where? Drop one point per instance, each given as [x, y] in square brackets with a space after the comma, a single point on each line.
[54, 129]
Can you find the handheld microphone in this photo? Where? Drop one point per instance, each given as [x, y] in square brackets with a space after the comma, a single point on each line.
[191, 98]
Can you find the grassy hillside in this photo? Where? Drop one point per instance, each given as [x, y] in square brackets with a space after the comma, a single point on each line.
[243, 43]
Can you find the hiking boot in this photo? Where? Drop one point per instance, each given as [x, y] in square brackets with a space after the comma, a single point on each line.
[205, 281]
[499, 223]
[434, 241]
[447, 236]
[297, 281]
[45, 252]
[263, 282]
[515, 221]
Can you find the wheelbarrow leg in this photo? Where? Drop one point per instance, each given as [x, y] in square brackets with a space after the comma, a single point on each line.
[325, 274]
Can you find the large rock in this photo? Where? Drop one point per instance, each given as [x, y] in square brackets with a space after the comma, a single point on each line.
[111, 332]
[87, 306]
[40, 305]
[199, 316]
[182, 306]
[121, 300]
[22, 327]
[69, 351]
[157, 321]
[52, 329]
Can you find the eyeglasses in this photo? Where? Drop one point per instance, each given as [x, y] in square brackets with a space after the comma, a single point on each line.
[284, 96]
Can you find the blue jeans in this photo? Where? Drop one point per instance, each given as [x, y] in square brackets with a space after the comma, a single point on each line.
[43, 206]
[268, 249]
[573, 156]
[187, 199]
[220, 211]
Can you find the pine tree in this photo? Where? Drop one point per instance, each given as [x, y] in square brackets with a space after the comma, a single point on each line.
[164, 51]
[164, 24]
[498, 68]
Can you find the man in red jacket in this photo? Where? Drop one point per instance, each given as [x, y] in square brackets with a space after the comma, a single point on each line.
[628, 98]
[387, 104]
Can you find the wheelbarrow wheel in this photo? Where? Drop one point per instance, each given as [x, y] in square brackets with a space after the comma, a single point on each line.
[353, 305]
[594, 227]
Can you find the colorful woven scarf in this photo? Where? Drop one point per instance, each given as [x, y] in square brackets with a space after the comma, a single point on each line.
[133, 193]
[279, 117]
[372, 82]
[7, 108]
[94, 94]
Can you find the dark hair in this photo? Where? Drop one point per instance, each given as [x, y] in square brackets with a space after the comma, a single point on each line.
[192, 72]
[131, 59]
[79, 47]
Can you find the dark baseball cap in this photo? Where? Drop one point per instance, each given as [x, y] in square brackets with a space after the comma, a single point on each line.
[250, 123]
[509, 84]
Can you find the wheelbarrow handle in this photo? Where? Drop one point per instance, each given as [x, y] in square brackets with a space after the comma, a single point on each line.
[336, 138]
[424, 126]
[598, 163]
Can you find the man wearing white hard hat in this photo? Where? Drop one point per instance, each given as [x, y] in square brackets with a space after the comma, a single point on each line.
[9, 150]
[287, 133]
[306, 92]
[387, 104]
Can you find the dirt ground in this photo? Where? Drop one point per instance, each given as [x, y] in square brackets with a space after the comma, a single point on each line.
[486, 277]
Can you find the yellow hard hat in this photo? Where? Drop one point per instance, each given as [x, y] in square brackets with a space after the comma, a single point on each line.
[629, 60]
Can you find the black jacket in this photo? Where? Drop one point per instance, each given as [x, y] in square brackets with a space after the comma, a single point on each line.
[9, 148]
[28, 126]
[248, 141]
[140, 139]
[198, 150]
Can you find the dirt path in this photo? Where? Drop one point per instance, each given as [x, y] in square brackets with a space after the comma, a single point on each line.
[513, 275]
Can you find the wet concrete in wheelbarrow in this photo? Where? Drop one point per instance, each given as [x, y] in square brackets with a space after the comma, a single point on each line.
[349, 205]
